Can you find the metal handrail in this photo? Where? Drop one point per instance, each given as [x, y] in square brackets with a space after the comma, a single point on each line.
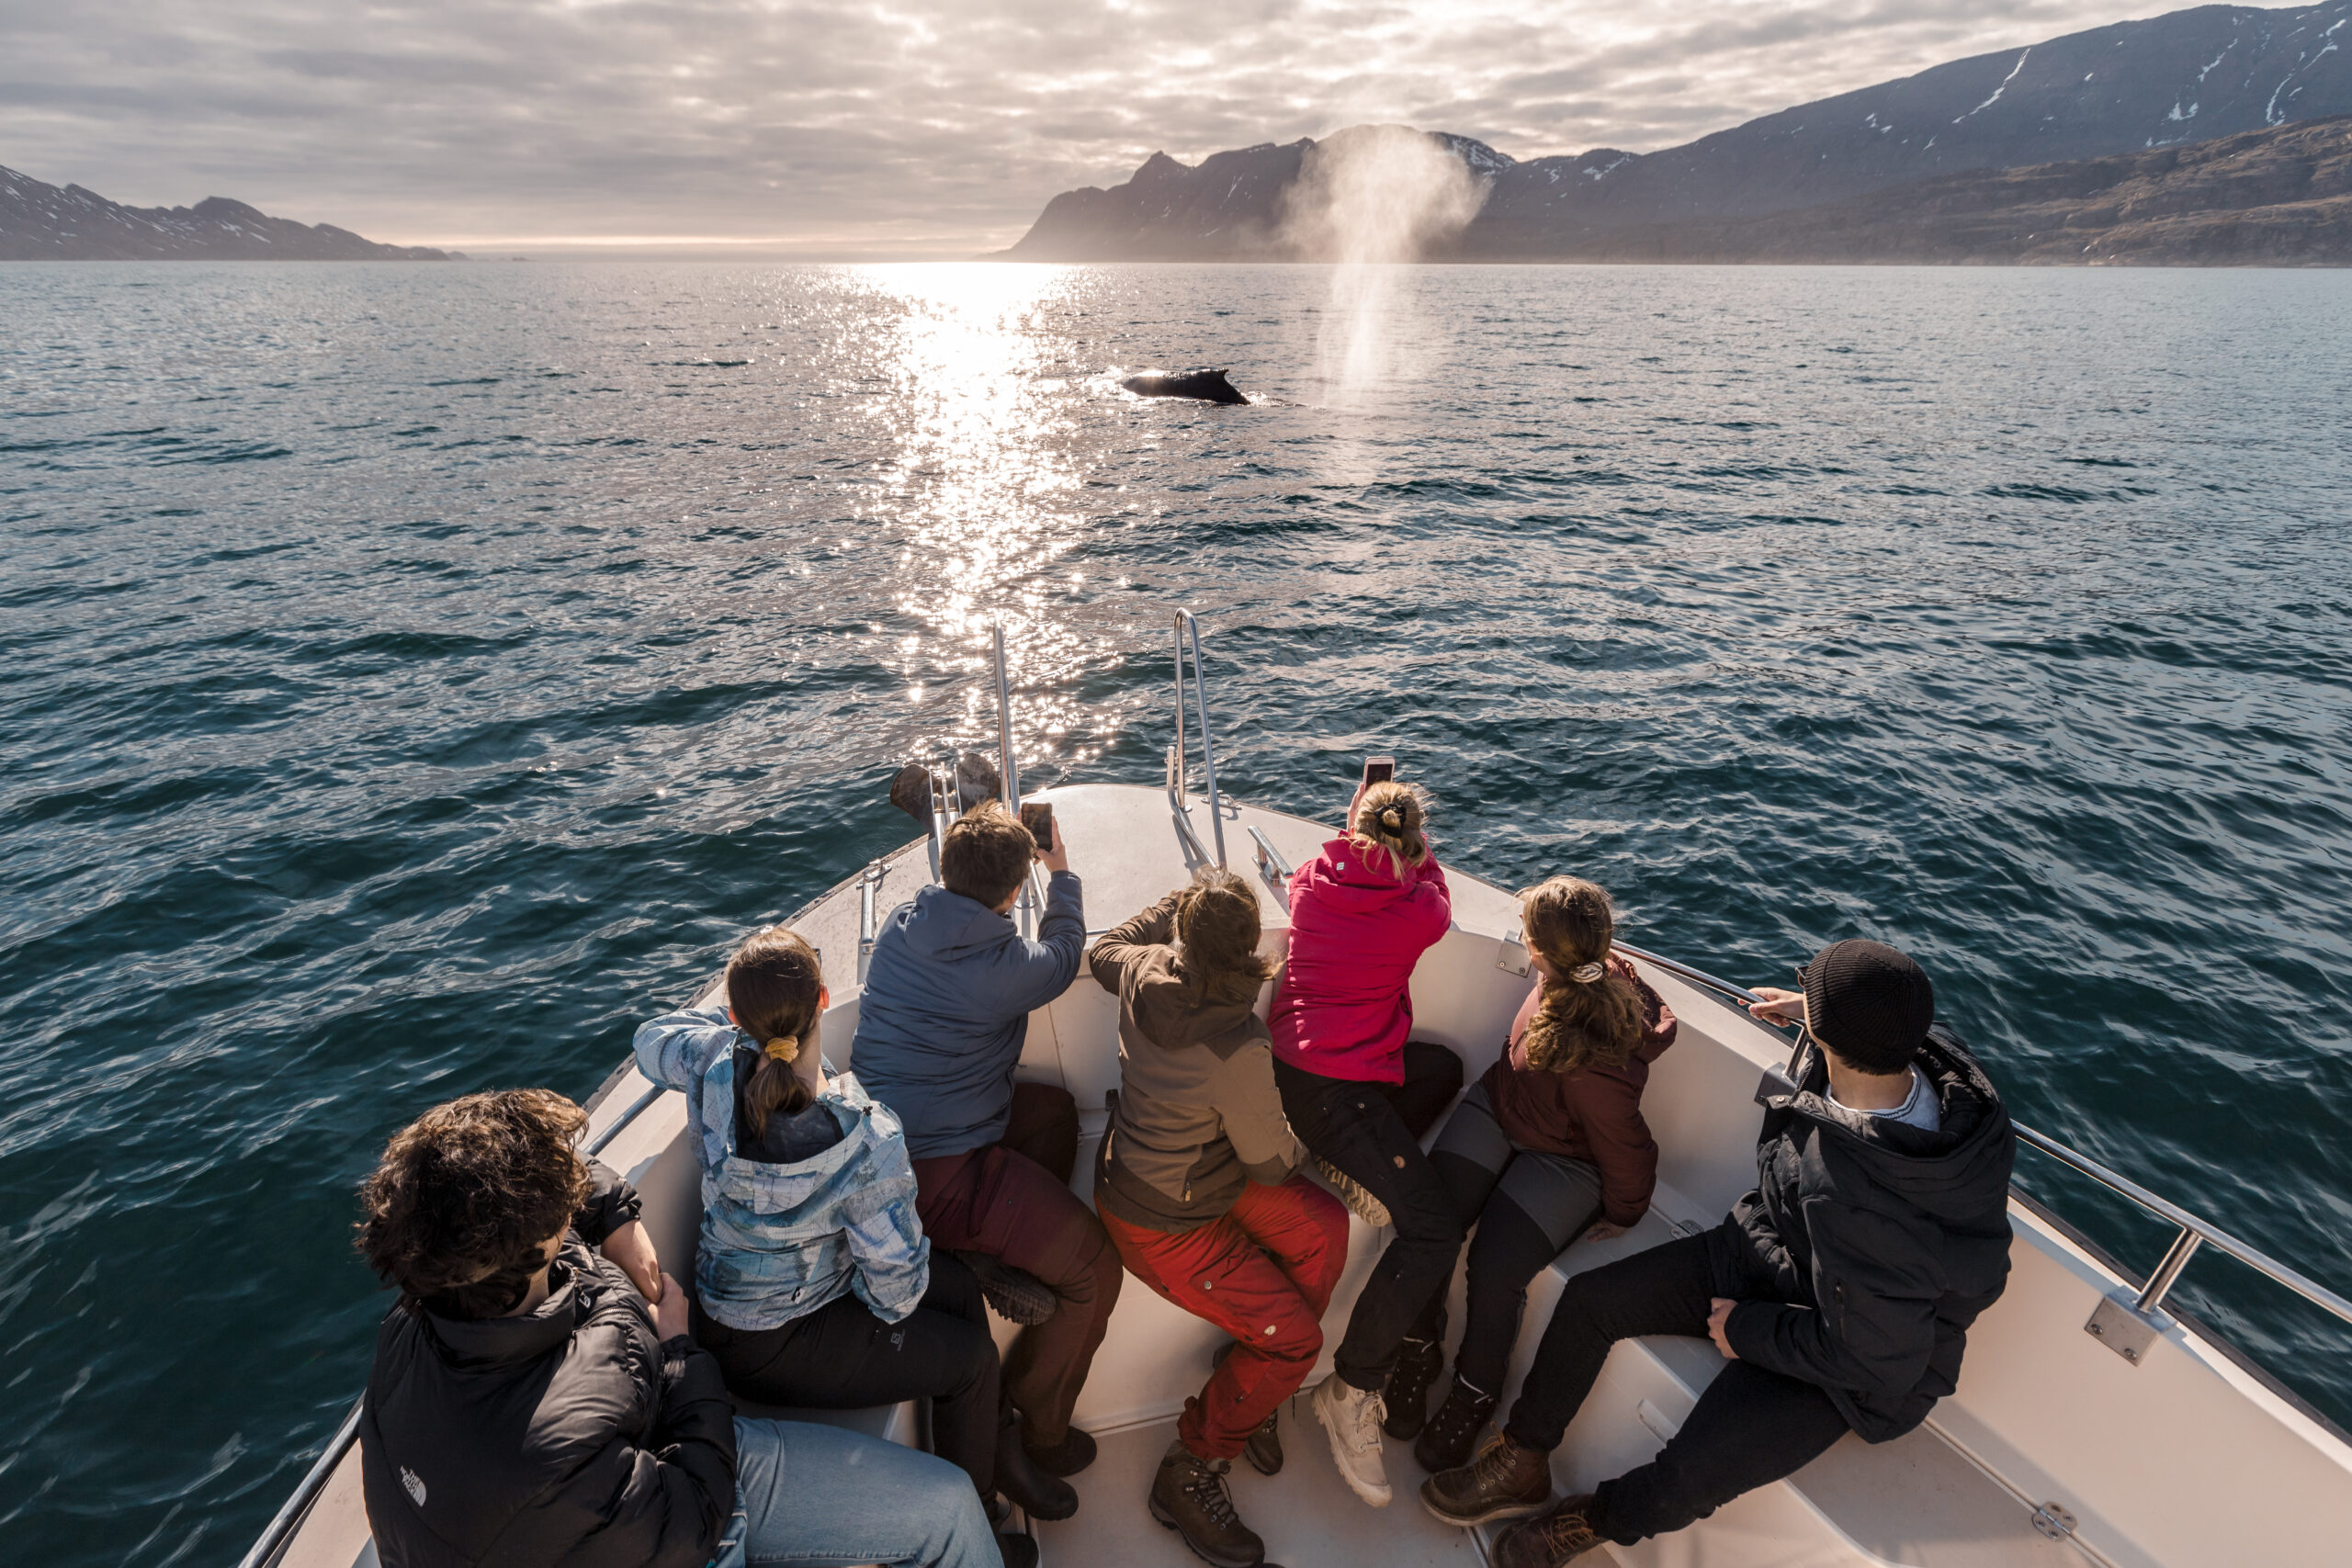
[1006, 765]
[281, 1524]
[1185, 623]
[1271, 864]
[2193, 1232]
[869, 888]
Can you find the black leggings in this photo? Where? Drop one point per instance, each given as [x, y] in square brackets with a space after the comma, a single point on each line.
[842, 1357]
[1372, 1132]
[1749, 1428]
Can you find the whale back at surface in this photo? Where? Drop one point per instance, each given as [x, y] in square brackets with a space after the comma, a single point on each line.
[1208, 386]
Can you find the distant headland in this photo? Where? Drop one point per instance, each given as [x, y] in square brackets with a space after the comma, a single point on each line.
[46, 222]
[2217, 136]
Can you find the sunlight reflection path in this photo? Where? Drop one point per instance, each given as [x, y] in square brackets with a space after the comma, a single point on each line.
[983, 488]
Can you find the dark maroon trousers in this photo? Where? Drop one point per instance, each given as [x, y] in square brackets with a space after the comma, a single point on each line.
[1012, 1199]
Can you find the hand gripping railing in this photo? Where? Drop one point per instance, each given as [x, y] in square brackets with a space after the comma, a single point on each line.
[282, 1524]
[2193, 1232]
[1187, 626]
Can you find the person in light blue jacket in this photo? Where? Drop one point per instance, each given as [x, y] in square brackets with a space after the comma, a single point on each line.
[814, 1284]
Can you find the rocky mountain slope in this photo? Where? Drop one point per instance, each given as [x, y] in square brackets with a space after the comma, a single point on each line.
[43, 222]
[2280, 197]
[2138, 85]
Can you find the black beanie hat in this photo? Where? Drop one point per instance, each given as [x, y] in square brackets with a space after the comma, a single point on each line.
[1869, 1003]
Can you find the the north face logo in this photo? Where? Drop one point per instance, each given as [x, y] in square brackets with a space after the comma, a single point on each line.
[416, 1486]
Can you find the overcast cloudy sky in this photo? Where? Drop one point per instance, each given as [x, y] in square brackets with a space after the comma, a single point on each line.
[852, 125]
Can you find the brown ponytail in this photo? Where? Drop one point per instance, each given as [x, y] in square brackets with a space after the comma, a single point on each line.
[1216, 925]
[1390, 820]
[773, 984]
[1590, 1015]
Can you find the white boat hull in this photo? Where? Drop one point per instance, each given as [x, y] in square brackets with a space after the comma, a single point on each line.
[2054, 1451]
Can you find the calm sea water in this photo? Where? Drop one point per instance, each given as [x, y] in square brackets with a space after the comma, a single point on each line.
[414, 676]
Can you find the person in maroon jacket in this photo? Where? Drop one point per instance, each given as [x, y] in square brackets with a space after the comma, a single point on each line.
[1360, 1096]
[1548, 1145]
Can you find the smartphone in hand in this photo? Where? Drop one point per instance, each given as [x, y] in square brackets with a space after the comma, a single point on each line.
[1378, 770]
[1037, 816]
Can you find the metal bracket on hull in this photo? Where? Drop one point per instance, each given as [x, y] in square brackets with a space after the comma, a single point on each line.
[1512, 959]
[2055, 1522]
[2114, 1324]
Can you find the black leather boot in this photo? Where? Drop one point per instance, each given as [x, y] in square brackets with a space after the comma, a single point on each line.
[1446, 1443]
[1040, 1495]
[1189, 1496]
[1407, 1394]
[1072, 1454]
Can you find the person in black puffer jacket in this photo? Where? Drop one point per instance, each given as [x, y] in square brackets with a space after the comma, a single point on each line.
[525, 1406]
[1842, 1287]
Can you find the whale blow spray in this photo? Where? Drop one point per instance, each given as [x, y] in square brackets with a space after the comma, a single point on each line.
[1368, 198]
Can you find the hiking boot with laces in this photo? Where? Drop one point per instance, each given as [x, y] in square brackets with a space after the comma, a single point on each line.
[1264, 1448]
[1018, 1295]
[1447, 1441]
[1549, 1541]
[1407, 1394]
[1351, 1418]
[1189, 1496]
[1369, 1209]
[1505, 1482]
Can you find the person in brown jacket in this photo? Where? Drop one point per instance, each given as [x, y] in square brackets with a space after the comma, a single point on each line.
[1548, 1145]
[1197, 1184]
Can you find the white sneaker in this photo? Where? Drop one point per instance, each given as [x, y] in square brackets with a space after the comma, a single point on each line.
[1351, 1418]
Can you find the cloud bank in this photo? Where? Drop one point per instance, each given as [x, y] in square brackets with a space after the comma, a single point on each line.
[846, 126]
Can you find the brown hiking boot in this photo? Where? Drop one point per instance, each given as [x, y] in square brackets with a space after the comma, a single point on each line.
[1505, 1482]
[1550, 1540]
[1264, 1448]
[1189, 1496]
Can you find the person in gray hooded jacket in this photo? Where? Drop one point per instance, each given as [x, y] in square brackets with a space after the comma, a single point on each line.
[1842, 1288]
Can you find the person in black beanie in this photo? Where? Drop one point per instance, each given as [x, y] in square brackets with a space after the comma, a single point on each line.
[1841, 1288]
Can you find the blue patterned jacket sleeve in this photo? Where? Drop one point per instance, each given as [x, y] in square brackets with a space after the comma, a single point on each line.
[890, 1256]
[678, 1048]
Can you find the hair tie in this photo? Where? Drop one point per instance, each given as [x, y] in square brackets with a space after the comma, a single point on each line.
[784, 1048]
[1392, 820]
[1586, 974]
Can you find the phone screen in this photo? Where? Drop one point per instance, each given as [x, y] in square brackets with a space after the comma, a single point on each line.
[1378, 770]
[1038, 818]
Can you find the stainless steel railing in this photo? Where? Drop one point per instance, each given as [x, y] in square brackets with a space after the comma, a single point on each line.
[2192, 1231]
[280, 1529]
[1271, 864]
[1185, 626]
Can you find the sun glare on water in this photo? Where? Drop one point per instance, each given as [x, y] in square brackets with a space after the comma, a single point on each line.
[967, 375]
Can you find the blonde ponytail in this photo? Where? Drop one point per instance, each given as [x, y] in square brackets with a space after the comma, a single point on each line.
[1390, 820]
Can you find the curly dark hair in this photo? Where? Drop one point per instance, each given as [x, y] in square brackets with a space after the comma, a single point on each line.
[459, 1209]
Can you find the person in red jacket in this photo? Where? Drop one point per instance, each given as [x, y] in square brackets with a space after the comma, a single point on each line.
[1549, 1145]
[1360, 1096]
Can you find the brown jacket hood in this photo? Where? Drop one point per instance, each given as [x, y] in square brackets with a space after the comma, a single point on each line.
[1198, 1115]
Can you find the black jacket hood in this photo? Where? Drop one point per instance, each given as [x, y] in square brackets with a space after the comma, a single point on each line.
[1868, 1245]
[1952, 1173]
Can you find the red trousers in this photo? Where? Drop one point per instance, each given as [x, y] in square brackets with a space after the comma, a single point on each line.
[1264, 1272]
[1012, 1199]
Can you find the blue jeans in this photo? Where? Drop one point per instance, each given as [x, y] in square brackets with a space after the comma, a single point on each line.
[815, 1496]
